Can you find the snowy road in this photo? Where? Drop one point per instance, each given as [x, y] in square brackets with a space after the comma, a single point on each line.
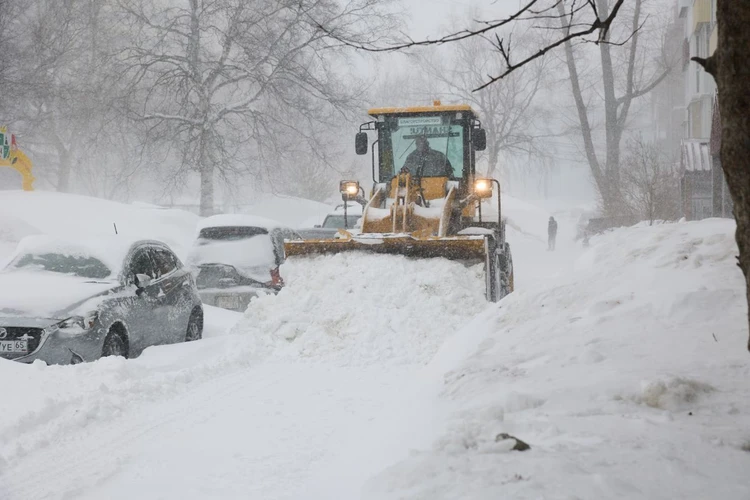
[254, 432]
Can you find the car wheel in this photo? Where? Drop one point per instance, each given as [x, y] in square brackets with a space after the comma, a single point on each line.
[114, 344]
[195, 326]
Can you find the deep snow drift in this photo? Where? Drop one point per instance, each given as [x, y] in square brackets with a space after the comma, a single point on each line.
[69, 216]
[628, 378]
[363, 309]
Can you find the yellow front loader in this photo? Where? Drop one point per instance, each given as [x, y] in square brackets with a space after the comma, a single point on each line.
[11, 156]
[426, 198]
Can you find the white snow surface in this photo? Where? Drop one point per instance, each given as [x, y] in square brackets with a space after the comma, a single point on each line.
[36, 294]
[627, 377]
[73, 216]
[623, 366]
[387, 310]
[289, 210]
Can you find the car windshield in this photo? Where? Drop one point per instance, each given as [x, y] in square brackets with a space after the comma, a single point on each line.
[230, 233]
[83, 266]
[337, 221]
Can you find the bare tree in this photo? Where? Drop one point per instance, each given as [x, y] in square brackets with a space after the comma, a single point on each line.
[631, 84]
[650, 182]
[510, 111]
[57, 80]
[226, 79]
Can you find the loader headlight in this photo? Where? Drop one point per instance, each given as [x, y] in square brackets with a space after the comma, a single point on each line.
[483, 188]
[349, 190]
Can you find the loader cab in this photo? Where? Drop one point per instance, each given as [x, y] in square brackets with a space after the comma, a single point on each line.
[452, 132]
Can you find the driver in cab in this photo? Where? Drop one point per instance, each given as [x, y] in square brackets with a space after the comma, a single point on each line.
[427, 162]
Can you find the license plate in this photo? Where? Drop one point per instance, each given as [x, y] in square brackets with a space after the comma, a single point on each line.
[14, 346]
[228, 302]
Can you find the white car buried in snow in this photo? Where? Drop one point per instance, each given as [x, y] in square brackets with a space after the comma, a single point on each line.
[237, 257]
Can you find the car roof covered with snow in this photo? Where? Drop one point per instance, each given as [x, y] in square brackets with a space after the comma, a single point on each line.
[239, 220]
[110, 250]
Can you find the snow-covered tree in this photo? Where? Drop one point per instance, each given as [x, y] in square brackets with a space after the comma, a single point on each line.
[233, 84]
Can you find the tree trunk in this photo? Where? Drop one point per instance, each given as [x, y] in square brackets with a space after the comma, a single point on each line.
[63, 171]
[730, 67]
[493, 152]
[206, 169]
[207, 190]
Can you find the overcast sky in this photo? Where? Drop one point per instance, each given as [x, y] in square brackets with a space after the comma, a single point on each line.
[427, 17]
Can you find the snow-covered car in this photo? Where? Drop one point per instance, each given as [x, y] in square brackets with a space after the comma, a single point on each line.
[338, 219]
[236, 258]
[67, 301]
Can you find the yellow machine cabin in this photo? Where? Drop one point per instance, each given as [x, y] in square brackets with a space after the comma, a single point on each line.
[11, 156]
[426, 197]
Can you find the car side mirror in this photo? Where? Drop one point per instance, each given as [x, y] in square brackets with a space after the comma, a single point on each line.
[360, 143]
[479, 138]
[317, 225]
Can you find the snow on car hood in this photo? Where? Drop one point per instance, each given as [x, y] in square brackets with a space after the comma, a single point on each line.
[34, 294]
[252, 257]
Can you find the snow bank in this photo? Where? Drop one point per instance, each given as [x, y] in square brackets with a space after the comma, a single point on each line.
[290, 211]
[12, 230]
[359, 308]
[627, 376]
[73, 216]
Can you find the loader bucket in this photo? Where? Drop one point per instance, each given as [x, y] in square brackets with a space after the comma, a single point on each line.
[469, 249]
[464, 248]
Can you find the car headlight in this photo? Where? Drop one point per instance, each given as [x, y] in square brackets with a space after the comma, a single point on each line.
[83, 323]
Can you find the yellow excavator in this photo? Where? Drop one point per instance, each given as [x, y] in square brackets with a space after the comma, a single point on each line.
[426, 199]
[11, 156]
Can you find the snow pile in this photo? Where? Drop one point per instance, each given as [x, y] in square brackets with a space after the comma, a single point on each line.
[627, 377]
[73, 216]
[289, 210]
[357, 308]
[12, 230]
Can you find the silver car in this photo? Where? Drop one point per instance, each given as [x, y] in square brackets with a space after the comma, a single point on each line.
[72, 301]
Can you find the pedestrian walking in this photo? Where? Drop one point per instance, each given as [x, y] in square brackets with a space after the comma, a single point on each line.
[551, 233]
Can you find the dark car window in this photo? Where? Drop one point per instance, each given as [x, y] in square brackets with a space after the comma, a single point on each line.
[222, 276]
[164, 261]
[141, 264]
[230, 233]
[84, 266]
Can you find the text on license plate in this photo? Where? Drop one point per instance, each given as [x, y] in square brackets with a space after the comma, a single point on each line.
[21, 346]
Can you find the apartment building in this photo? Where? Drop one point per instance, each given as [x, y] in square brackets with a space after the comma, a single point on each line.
[702, 186]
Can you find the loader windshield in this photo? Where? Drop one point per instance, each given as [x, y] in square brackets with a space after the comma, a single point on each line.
[400, 136]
